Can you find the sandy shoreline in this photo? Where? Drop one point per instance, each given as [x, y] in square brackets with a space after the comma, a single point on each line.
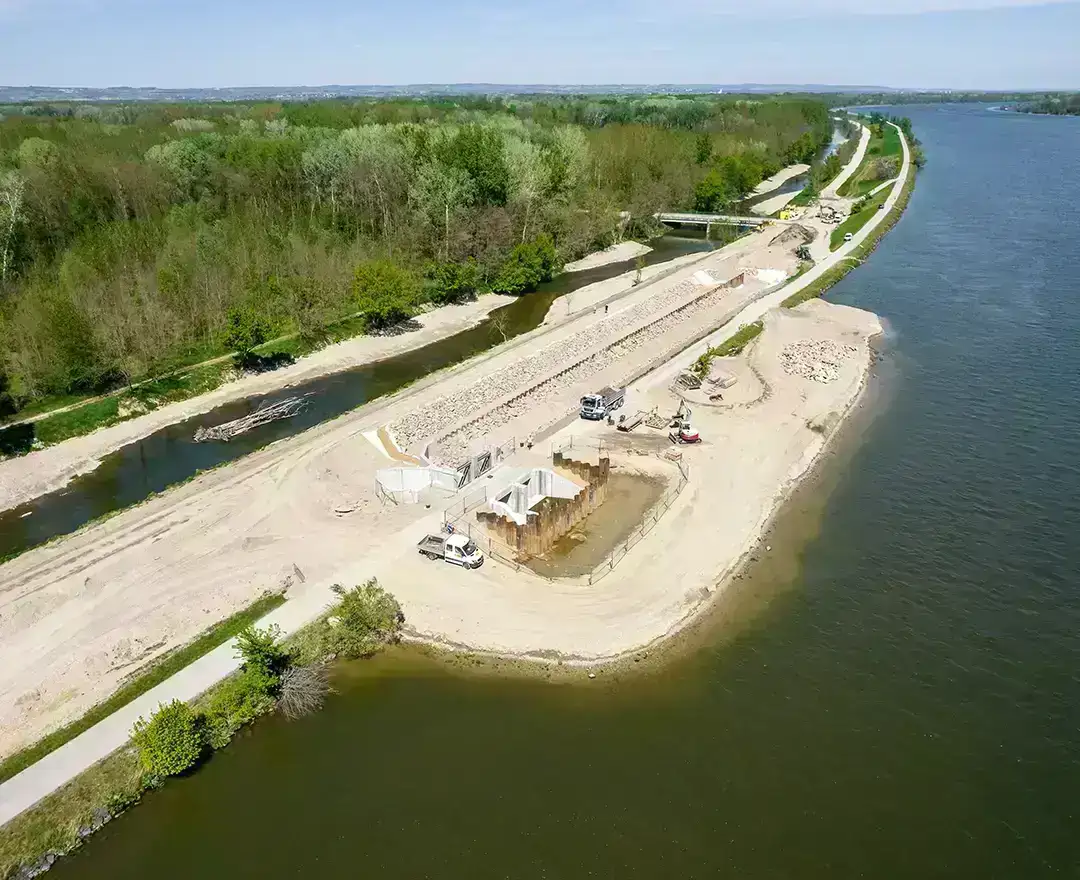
[617, 253]
[779, 179]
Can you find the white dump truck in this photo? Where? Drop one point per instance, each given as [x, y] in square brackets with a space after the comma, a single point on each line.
[602, 404]
[455, 549]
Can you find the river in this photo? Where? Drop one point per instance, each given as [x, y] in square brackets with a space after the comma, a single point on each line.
[893, 693]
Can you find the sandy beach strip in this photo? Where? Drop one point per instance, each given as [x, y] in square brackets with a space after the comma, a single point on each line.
[617, 253]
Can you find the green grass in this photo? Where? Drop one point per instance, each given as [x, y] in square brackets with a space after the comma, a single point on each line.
[53, 823]
[78, 421]
[733, 346]
[881, 146]
[857, 221]
[827, 280]
[167, 666]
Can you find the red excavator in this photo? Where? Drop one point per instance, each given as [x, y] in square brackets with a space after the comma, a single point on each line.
[681, 431]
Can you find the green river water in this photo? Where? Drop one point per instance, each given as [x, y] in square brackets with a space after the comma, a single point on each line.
[893, 693]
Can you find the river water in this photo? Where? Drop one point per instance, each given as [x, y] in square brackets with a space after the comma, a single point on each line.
[170, 455]
[893, 693]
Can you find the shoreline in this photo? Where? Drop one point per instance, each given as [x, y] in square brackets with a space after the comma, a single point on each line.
[541, 662]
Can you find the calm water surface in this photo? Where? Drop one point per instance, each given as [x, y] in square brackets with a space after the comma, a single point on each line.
[906, 707]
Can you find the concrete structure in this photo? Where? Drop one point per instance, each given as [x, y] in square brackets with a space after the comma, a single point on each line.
[537, 509]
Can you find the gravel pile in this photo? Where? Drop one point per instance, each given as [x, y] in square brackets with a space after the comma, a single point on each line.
[446, 411]
[818, 360]
[548, 398]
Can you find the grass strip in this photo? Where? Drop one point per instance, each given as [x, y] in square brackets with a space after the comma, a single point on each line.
[164, 668]
[859, 219]
[828, 279]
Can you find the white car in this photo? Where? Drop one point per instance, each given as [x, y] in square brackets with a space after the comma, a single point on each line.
[848, 236]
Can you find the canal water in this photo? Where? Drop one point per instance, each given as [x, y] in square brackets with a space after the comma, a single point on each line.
[170, 455]
[894, 692]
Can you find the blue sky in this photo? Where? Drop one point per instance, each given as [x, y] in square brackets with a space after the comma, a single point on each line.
[906, 43]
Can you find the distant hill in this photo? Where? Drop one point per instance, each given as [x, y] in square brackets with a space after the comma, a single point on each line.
[18, 94]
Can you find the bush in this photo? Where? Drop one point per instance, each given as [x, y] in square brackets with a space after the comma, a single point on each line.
[237, 701]
[454, 282]
[172, 741]
[529, 264]
[245, 329]
[365, 618]
[260, 650]
[385, 292]
[303, 690]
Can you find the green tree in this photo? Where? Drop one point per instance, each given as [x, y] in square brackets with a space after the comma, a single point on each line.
[172, 741]
[245, 329]
[261, 651]
[454, 282]
[385, 292]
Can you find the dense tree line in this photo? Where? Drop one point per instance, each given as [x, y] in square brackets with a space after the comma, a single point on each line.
[137, 237]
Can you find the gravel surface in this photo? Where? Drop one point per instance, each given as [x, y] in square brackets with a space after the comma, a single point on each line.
[815, 359]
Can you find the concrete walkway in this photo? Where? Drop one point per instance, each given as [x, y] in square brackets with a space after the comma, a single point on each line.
[58, 768]
[833, 189]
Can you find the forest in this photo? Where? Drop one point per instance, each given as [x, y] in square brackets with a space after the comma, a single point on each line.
[139, 238]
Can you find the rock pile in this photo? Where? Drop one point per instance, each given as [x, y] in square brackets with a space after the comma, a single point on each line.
[817, 360]
[451, 409]
[549, 398]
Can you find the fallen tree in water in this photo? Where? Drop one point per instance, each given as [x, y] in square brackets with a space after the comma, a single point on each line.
[283, 409]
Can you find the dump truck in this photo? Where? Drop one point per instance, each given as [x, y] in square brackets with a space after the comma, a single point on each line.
[602, 404]
[455, 549]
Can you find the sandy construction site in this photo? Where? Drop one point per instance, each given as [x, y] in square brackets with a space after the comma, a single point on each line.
[79, 615]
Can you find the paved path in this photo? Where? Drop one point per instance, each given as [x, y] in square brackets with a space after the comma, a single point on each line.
[58, 768]
[833, 189]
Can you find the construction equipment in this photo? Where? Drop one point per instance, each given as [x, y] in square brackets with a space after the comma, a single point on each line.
[684, 434]
[681, 432]
[597, 406]
[455, 549]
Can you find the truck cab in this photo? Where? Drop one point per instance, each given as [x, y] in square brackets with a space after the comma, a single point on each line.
[598, 406]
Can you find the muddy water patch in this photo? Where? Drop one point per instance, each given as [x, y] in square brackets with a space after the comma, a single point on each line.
[630, 496]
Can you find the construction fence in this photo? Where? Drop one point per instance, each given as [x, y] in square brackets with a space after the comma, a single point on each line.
[648, 522]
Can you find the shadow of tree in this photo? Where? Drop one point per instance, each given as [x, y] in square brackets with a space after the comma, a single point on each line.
[17, 439]
[259, 363]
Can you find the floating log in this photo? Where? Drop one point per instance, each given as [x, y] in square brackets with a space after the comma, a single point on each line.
[283, 409]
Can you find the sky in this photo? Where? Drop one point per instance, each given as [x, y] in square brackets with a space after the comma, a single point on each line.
[961, 44]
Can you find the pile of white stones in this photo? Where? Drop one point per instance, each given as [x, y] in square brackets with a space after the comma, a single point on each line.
[548, 398]
[451, 409]
[816, 359]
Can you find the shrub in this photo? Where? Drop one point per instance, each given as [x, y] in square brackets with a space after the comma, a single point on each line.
[365, 618]
[454, 282]
[260, 650]
[385, 292]
[237, 701]
[303, 690]
[245, 329]
[529, 264]
[172, 741]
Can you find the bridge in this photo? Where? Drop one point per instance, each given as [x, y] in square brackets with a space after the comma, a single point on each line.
[707, 220]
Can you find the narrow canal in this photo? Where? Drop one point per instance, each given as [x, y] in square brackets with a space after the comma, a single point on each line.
[893, 694]
[170, 456]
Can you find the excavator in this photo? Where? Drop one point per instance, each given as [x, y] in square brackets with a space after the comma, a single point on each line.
[681, 431]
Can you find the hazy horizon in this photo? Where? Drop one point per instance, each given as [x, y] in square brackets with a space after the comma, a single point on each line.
[915, 45]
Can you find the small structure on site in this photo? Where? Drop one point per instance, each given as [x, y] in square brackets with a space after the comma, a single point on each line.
[543, 504]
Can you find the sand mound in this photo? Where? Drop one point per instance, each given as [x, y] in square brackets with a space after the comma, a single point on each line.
[795, 235]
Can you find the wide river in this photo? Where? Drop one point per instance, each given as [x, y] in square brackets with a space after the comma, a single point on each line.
[894, 691]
